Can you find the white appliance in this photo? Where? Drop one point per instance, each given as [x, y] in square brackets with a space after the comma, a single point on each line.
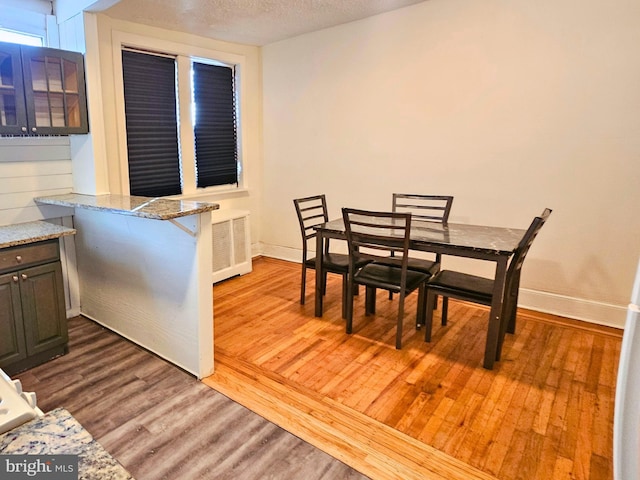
[16, 407]
[626, 418]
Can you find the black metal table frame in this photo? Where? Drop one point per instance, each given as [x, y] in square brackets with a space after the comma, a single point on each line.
[508, 237]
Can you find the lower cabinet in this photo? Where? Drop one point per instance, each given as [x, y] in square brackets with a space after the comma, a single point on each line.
[33, 325]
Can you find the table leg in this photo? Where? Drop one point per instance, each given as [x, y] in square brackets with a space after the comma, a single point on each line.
[491, 353]
[319, 273]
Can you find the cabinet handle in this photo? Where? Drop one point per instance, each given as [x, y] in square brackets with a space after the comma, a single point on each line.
[18, 259]
[33, 129]
[23, 276]
[15, 278]
[24, 129]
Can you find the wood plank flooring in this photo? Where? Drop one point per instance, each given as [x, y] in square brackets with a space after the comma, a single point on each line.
[161, 423]
[545, 411]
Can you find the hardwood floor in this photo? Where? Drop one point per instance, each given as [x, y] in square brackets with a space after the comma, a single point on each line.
[428, 410]
[161, 423]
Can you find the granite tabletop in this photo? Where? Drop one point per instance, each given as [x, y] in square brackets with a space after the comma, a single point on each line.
[58, 433]
[459, 237]
[157, 208]
[30, 232]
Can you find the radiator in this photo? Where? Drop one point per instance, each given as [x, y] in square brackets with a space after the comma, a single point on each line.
[231, 240]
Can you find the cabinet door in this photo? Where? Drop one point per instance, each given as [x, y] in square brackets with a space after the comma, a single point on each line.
[13, 115]
[43, 309]
[12, 344]
[54, 91]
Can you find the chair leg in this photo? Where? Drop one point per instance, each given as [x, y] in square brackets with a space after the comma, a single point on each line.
[348, 299]
[303, 283]
[513, 304]
[428, 322]
[345, 292]
[512, 312]
[400, 321]
[390, 295]
[324, 282]
[422, 304]
[370, 300]
[445, 310]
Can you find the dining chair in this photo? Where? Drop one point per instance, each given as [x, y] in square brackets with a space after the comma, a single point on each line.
[464, 286]
[370, 236]
[312, 211]
[431, 208]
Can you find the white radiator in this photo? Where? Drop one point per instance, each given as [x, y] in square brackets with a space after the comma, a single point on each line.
[231, 238]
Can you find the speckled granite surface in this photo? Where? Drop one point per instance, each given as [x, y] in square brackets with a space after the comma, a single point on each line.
[23, 233]
[58, 433]
[146, 207]
[460, 237]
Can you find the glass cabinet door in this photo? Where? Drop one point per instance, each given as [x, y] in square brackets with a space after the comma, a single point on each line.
[54, 88]
[13, 117]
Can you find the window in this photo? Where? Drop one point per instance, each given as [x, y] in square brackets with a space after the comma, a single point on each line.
[215, 125]
[21, 38]
[163, 159]
[152, 124]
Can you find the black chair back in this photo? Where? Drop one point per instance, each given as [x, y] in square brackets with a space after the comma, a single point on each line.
[311, 211]
[525, 244]
[375, 235]
[432, 208]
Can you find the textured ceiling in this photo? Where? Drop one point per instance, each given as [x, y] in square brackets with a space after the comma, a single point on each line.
[253, 22]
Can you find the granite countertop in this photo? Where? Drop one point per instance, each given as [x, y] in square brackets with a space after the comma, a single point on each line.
[157, 208]
[58, 433]
[23, 233]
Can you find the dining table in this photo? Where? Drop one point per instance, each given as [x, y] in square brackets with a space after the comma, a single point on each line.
[483, 242]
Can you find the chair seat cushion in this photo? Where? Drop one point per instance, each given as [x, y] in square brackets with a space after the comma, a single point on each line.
[428, 267]
[388, 277]
[476, 288]
[335, 263]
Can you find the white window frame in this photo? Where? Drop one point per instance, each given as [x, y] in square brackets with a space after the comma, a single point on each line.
[184, 55]
[20, 36]
[22, 17]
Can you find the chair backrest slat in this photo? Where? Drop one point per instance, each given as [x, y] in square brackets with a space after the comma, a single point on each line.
[311, 211]
[432, 208]
[527, 241]
[377, 231]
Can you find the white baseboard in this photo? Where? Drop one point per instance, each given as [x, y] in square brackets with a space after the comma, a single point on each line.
[564, 306]
[282, 253]
[571, 307]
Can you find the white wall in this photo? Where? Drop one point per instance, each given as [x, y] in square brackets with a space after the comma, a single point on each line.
[509, 106]
[31, 167]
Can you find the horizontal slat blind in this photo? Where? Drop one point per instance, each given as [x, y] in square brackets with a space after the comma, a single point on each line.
[152, 126]
[215, 130]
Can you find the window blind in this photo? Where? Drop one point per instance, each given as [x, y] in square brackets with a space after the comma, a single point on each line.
[152, 126]
[216, 143]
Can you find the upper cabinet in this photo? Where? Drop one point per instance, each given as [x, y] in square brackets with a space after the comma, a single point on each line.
[42, 91]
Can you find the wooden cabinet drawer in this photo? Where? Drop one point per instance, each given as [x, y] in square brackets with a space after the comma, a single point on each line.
[14, 258]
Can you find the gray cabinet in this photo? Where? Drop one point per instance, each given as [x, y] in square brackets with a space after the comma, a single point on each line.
[33, 325]
[42, 91]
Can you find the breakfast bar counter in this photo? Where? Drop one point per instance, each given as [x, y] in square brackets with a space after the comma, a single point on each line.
[157, 208]
[144, 271]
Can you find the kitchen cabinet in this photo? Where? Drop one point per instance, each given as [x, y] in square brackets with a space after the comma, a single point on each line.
[33, 325]
[42, 91]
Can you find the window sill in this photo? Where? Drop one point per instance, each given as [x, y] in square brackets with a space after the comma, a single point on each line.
[214, 194]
